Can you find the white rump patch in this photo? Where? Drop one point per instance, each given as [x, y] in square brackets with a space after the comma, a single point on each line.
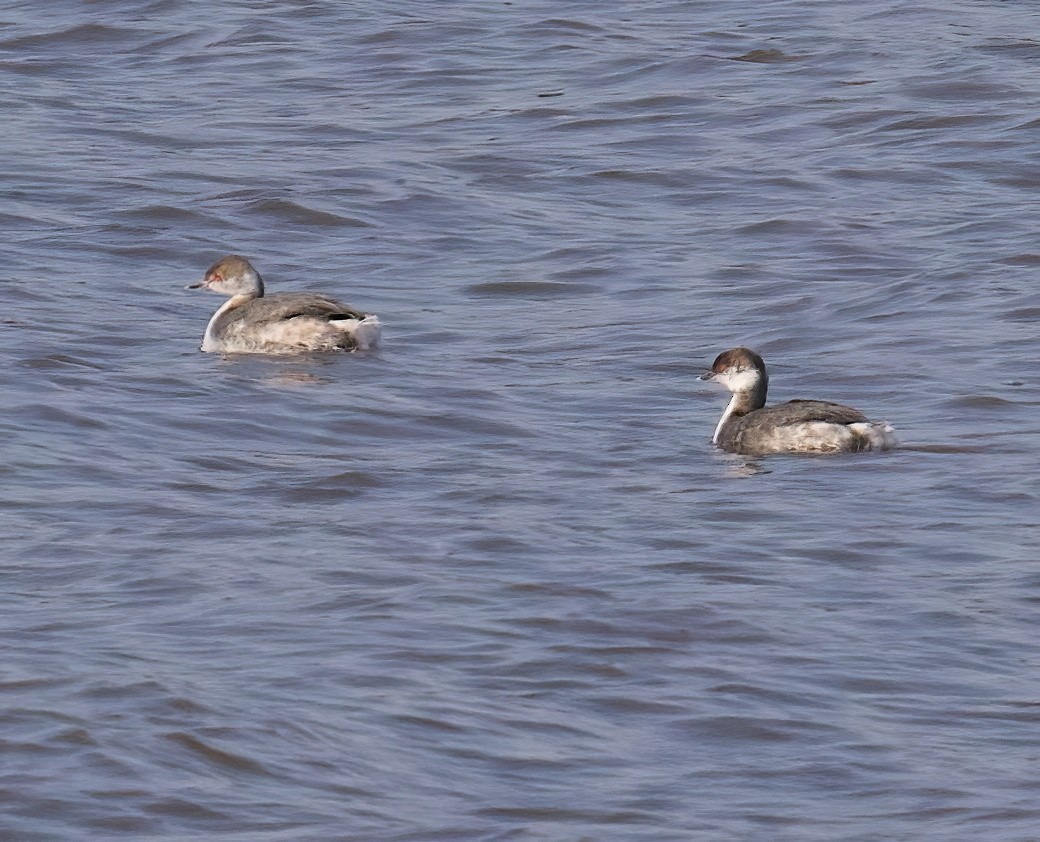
[364, 332]
[879, 434]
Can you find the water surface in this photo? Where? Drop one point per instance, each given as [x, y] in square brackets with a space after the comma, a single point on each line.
[492, 581]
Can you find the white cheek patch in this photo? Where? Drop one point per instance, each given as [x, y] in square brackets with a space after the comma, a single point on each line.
[738, 380]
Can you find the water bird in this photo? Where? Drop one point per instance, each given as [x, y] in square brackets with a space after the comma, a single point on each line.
[250, 322]
[749, 427]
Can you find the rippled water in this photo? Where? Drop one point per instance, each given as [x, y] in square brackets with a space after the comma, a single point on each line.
[492, 581]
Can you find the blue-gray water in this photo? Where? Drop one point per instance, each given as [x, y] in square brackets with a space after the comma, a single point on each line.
[492, 582]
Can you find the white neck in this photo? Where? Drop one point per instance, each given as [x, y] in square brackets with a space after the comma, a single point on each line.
[209, 338]
[725, 417]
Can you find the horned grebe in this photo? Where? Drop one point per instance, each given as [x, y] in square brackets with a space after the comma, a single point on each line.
[284, 323]
[799, 426]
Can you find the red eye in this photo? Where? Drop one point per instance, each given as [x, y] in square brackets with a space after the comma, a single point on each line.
[216, 276]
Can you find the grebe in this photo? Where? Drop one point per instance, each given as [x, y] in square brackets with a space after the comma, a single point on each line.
[748, 426]
[284, 323]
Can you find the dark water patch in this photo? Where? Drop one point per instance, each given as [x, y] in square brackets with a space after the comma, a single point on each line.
[626, 706]
[980, 402]
[294, 213]
[31, 66]
[163, 214]
[530, 289]
[214, 756]
[659, 103]
[1024, 314]
[753, 729]
[962, 91]
[658, 179]
[758, 692]
[426, 723]
[252, 35]
[539, 112]
[1025, 259]
[50, 415]
[12, 221]
[329, 490]
[164, 43]
[943, 448]
[59, 362]
[1025, 180]
[780, 225]
[584, 124]
[91, 35]
[861, 119]
[473, 423]
[939, 122]
[121, 824]
[564, 816]
[766, 56]
[75, 737]
[558, 590]
[32, 685]
[183, 809]
[1021, 48]
[569, 276]
[556, 24]
[499, 545]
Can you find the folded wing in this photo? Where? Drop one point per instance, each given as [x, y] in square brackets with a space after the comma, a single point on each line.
[293, 305]
[803, 411]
